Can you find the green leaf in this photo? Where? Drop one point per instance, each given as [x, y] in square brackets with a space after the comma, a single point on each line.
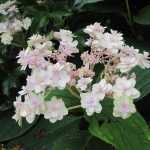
[68, 98]
[62, 135]
[40, 21]
[143, 16]
[81, 3]
[9, 129]
[142, 81]
[130, 134]
[47, 136]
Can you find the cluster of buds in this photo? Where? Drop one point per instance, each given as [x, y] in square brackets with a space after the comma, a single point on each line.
[11, 21]
[52, 69]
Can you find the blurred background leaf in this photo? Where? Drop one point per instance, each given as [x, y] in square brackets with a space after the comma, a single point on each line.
[143, 16]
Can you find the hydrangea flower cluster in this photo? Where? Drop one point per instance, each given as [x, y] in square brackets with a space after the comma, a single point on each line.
[52, 69]
[12, 22]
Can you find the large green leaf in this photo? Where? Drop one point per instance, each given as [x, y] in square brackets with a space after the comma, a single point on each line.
[9, 129]
[143, 17]
[130, 134]
[68, 98]
[63, 135]
[45, 134]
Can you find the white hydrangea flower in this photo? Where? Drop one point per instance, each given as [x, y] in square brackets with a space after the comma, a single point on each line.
[23, 110]
[94, 29]
[32, 106]
[16, 25]
[124, 86]
[6, 38]
[3, 27]
[90, 103]
[58, 75]
[128, 59]
[38, 80]
[123, 107]
[27, 23]
[4, 7]
[101, 89]
[40, 44]
[127, 63]
[12, 10]
[24, 90]
[32, 59]
[144, 60]
[68, 47]
[36, 102]
[111, 41]
[64, 35]
[18, 104]
[83, 83]
[56, 110]
[36, 39]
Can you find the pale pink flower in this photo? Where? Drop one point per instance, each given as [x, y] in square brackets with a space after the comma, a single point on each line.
[68, 47]
[144, 60]
[58, 75]
[123, 107]
[124, 86]
[128, 59]
[33, 59]
[85, 71]
[32, 106]
[101, 89]
[38, 80]
[90, 103]
[112, 42]
[94, 29]
[56, 110]
[18, 104]
[82, 83]
[64, 35]
[88, 58]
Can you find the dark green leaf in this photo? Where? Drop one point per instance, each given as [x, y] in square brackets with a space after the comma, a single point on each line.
[47, 136]
[143, 81]
[143, 16]
[130, 134]
[68, 98]
[9, 129]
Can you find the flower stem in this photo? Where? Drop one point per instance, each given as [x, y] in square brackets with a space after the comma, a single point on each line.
[73, 93]
[128, 12]
[74, 107]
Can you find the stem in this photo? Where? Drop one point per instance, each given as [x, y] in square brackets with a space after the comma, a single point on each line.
[73, 93]
[129, 12]
[74, 107]
[130, 18]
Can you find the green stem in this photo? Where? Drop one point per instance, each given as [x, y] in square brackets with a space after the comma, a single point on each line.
[73, 93]
[129, 12]
[130, 18]
[74, 107]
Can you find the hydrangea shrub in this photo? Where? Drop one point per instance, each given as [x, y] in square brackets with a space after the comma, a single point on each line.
[51, 69]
